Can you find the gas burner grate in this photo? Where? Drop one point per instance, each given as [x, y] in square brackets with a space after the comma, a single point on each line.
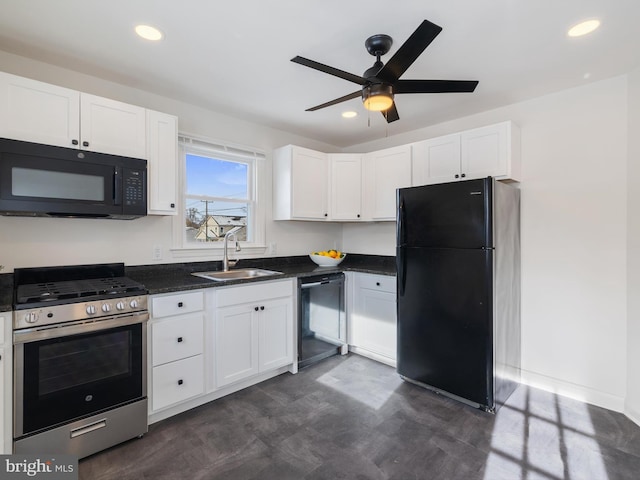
[68, 291]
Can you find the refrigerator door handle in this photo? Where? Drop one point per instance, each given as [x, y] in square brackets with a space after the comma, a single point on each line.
[400, 271]
[400, 223]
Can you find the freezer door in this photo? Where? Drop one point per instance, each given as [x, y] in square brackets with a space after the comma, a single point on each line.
[452, 215]
[445, 325]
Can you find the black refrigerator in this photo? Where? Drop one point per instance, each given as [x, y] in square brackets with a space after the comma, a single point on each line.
[458, 295]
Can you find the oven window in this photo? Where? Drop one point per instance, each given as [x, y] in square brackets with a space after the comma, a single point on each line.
[83, 361]
[70, 377]
[31, 182]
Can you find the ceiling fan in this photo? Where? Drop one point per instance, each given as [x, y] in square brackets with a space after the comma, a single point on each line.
[382, 81]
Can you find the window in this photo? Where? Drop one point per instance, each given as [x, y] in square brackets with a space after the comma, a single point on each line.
[219, 193]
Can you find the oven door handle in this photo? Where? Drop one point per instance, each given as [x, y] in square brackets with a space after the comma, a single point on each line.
[77, 328]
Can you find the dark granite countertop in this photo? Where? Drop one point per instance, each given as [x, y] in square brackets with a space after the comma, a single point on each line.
[173, 277]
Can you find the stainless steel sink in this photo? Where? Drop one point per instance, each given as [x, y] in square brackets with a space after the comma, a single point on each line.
[239, 274]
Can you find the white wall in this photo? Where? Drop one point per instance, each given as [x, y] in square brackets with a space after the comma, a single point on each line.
[574, 214]
[28, 242]
[632, 406]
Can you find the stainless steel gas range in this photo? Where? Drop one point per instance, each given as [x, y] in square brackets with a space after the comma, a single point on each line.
[79, 340]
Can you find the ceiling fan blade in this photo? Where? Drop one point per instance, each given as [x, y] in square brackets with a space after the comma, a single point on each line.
[434, 86]
[336, 101]
[409, 51]
[391, 114]
[330, 70]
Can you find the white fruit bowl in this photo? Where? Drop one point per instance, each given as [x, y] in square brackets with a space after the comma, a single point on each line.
[323, 261]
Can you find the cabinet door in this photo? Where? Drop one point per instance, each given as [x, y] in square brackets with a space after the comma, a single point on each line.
[276, 333]
[484, 151]
[373, 327]
[109, 126]
[235, 344]
[384, 172]
[436, 160]
[38, 112]
[309, 184]
[345, 180]
[3, 392]
[162, 157]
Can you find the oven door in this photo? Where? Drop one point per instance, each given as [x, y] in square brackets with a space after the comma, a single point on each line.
[73, 371]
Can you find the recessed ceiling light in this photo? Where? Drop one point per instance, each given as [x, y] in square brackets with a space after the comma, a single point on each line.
[349, 114]
[583, 28]
[148, 32]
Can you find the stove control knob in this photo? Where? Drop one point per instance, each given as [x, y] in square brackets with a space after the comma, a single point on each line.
[31, 317]
[120, 306]
[91, 309]
[133, 303]
[106, 307]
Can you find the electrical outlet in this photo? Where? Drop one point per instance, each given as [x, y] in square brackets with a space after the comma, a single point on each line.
[273, 248]
[157, 252]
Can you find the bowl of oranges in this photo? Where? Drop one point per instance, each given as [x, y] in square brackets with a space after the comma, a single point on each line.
[328, 258]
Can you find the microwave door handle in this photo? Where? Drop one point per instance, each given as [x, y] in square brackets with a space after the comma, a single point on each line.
[117, 186]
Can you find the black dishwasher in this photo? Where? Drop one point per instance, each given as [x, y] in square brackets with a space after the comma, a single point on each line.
[321, 318]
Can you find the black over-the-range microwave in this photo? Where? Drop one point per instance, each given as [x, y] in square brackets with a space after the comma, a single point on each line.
[43, 180]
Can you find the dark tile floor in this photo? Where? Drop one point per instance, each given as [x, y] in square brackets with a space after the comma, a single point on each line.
[352, 418]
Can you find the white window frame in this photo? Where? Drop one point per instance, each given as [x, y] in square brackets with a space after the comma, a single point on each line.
[256, 218]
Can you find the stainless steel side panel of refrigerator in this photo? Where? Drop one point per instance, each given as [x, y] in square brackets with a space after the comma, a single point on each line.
[506, 313]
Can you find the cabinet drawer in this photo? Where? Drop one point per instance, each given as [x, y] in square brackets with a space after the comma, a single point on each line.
[253, 293]
[383, 283]
[176, 338]
[177, 381]
[177, 304]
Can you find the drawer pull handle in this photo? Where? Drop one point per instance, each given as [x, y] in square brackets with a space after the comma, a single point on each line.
[180, 382]
[377, 284]
[256, 308]
[180, 304]
[76, 432]
[262, 307]
[179, 339]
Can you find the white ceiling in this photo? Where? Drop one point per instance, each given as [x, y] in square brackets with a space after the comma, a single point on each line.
[234, 57]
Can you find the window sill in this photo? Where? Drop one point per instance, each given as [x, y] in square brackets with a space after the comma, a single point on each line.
[207, 251]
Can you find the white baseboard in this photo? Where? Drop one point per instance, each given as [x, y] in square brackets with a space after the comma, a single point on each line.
[575, 391]
[632, 414]
[373, 356]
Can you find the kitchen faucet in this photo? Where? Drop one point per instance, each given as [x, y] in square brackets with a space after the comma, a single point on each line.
[225, 257]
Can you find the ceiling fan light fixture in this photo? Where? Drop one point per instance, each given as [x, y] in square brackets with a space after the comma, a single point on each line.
[377, 97]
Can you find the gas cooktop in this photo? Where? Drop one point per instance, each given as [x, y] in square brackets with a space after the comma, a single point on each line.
[35, 287]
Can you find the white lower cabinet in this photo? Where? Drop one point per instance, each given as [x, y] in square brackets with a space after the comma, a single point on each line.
[6, 437]
[177, 381]
[372, 317]
[176, 348]
[253, 330]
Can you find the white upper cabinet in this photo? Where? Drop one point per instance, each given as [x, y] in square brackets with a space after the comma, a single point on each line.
[300, 184]
[109, 126]
[384, 172]
[488, 151]
[436, 160]
[42, 113]
[37, 112]
[345, 187]
[162, 155]
[491, 151]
